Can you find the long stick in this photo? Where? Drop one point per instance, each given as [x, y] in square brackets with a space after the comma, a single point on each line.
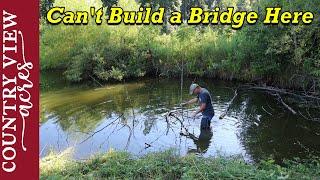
[229, 104]
[283, 91]
[181, 87]
[96, 80]
[100, 129]
[284, 104]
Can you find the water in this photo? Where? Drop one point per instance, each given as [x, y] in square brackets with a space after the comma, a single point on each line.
[131, 117]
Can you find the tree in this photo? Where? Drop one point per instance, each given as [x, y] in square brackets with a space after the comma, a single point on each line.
[45, 5]
[108, 4]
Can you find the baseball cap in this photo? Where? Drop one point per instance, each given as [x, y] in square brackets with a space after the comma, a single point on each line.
[193, 86]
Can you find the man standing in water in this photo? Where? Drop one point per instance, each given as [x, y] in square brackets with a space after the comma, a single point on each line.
[205, 103]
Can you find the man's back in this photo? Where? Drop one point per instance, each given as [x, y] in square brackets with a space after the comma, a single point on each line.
[205, 97]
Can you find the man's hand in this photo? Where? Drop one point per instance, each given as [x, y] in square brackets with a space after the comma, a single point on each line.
[194, 114]
[194, 100]
[202, 108]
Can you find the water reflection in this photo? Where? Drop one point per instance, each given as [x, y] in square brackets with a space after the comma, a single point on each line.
[202, 142]
[269, 131]
[256, 128]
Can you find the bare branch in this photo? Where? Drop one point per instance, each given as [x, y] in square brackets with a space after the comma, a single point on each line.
[101, 129]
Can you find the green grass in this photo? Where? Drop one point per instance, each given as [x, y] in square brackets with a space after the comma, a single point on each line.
[167, 165]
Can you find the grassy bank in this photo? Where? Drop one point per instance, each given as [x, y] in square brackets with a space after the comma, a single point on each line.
[167, 165]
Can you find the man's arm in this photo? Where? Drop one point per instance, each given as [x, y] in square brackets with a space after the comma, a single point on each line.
[191, 101]
[202, 108]
[202, 99]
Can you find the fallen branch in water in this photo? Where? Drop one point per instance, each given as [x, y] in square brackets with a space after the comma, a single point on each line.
[101, 129]
[282, 91]
[266, 111]
[284, 104]
[190, 135]
[147, 145]
[172, 114]
[310, 118]
[305, 98]
[178, 119]
[229, 104]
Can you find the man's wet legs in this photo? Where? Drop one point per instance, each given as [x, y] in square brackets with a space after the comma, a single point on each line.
[205, 122]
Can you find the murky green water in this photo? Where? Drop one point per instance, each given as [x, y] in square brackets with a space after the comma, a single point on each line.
[131, 117]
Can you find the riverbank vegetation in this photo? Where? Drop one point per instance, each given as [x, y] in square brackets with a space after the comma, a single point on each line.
[271, 56]
[167, 165]
[277, 55]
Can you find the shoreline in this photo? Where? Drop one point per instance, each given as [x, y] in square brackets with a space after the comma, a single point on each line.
[214, 77]
[167, 165]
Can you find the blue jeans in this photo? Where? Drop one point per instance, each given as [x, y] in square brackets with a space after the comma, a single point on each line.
[205, 122]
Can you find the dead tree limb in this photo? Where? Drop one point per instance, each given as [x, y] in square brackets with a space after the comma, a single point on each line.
[309, 118]
[101, 129]
[229, 104]
[284, 104]
[266, 111]
[308, 99]
[95, 80]
[172, 114]
[282, 91]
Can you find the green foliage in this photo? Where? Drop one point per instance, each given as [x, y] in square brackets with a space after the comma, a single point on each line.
[167, 165]
[109, 3]
[45, 5]
[269, 53]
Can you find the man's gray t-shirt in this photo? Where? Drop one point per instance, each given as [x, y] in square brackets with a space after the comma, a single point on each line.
[205, 97]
